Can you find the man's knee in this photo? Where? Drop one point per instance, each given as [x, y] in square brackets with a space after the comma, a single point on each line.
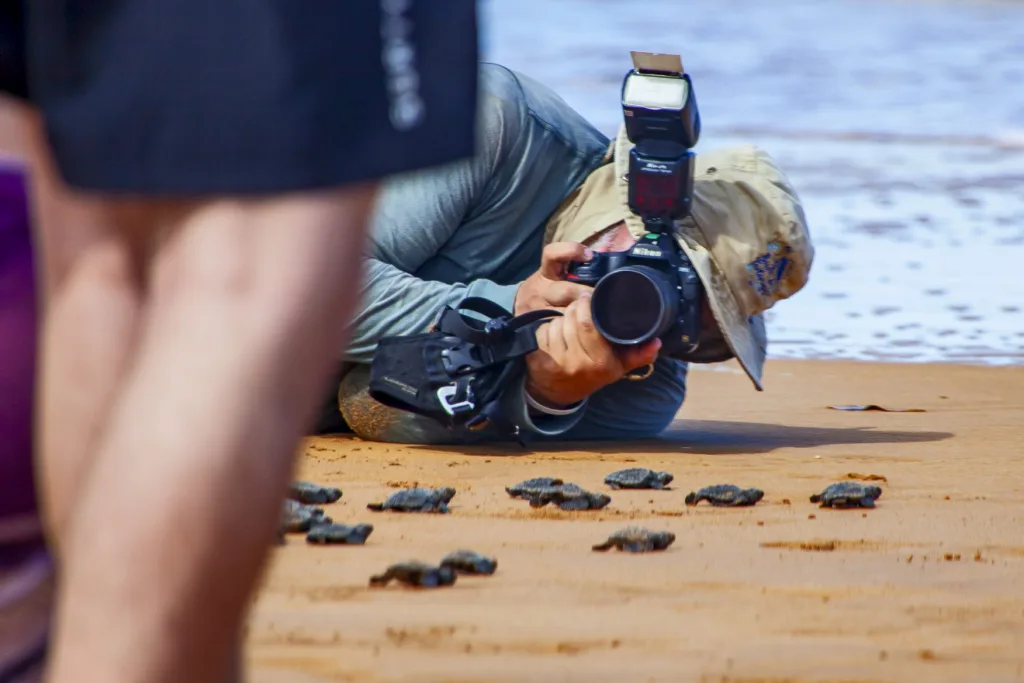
[374, 421]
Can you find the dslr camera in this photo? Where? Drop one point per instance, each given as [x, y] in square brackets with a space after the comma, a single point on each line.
[652, 289]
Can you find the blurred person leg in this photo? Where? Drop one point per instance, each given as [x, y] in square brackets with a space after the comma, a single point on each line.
[197, 452]
[91, 291]
[218, 185]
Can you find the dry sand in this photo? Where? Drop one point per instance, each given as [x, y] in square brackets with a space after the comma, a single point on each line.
[929, 586]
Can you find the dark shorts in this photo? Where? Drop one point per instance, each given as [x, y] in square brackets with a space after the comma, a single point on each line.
[241, 96]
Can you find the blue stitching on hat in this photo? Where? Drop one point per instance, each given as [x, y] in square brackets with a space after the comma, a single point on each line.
[768, 269]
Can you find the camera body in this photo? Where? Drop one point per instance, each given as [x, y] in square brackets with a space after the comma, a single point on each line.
[652, 290]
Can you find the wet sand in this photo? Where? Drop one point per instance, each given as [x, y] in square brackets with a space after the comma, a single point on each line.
[929, 586]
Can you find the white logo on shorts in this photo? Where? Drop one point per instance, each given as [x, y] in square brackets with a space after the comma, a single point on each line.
[406, 109]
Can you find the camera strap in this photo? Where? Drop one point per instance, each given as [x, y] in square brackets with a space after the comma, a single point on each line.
[458, 371]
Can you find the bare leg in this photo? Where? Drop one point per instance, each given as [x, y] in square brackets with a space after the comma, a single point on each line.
[90, 298]
[245, 315]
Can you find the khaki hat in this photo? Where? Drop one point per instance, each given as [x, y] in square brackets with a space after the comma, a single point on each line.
[746, 235]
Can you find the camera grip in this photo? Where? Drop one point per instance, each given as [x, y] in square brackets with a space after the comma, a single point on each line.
[586, 272]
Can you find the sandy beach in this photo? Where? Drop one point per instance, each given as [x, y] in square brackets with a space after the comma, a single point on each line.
[900, 125]
[926, 587]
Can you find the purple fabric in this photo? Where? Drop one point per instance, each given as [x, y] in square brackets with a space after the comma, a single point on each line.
[17, 347]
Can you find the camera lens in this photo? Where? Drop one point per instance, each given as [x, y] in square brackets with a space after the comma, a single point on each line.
[633, 304]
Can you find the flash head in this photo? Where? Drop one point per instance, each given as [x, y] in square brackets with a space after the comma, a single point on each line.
[659, 104]
[662, 121]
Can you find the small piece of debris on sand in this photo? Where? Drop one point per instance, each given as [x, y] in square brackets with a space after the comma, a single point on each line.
[875, 407]
[866, 477]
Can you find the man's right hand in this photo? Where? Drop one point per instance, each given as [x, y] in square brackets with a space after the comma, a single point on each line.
[548, 288]
[573, 360]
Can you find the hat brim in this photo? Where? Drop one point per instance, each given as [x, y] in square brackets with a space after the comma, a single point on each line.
[745, 336]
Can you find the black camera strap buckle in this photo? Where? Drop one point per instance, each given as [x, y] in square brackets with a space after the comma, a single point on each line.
[464, 357]
[457, 398]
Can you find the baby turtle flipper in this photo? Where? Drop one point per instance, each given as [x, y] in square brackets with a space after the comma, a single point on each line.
[381, 579]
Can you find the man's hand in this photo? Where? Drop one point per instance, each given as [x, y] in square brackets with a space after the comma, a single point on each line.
[548, 288]
[573, 360]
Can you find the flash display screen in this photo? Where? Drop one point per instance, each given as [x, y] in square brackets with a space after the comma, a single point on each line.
[654, 92]
[655, 192]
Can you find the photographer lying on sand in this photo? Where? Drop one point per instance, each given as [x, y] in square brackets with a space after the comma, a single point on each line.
[547, 188]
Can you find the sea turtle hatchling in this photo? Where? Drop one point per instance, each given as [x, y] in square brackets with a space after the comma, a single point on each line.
[567, 498]
[847, 494]
[417, 500]
[638, 478]
[517, 490]
[313, 494]
[299, 518]
[469, 562]
[338, 534]
[725, 495]
[634, 539]
[416, 574]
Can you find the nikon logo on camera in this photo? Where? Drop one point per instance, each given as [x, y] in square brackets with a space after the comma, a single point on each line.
[645, 251]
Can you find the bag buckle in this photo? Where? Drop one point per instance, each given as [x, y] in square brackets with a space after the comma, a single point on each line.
[459, 358]
[445, 395]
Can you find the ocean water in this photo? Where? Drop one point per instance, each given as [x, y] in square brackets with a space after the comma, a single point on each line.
[901, 124]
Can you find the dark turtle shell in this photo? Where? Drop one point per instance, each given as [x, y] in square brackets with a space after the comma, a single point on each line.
[339, 534]
[725, 495]
[469, 562]
[638, 478]
[313, 494]
[417, 500]
[635, 539]
[417, 574]
[848, 494]
[517, 490]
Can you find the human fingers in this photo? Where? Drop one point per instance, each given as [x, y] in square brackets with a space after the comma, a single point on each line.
[561, 294]
[557, 255]
[585, 344]
[639, 356]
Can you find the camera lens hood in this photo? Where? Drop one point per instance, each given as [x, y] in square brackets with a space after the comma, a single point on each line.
[633, 304]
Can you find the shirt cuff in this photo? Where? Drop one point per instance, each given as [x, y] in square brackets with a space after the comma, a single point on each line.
[539, 421]
[536, 406]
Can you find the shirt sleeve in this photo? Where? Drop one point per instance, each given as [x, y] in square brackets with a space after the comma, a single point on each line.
[396, 303]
